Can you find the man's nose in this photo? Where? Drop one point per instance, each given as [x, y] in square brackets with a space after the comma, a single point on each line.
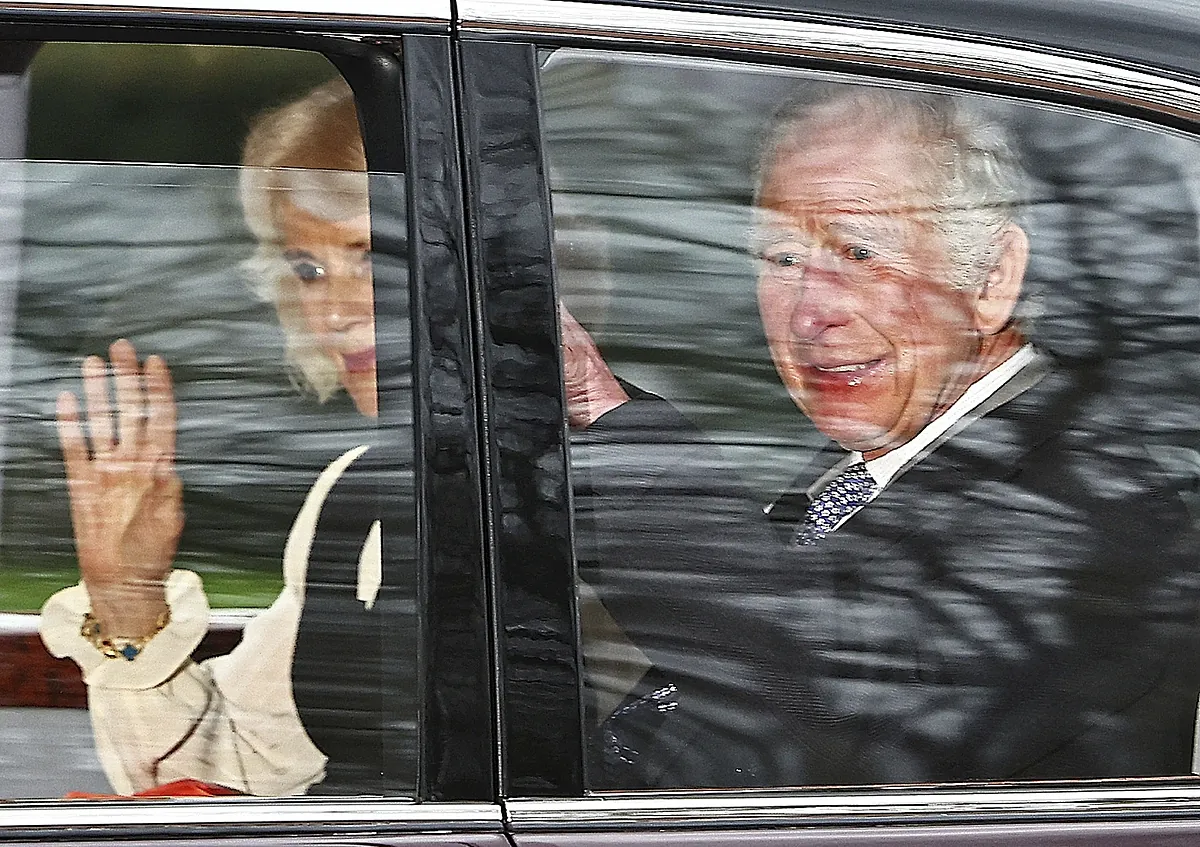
[823, 300]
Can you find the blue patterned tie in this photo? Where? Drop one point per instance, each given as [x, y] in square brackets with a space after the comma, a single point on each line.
[845, 493]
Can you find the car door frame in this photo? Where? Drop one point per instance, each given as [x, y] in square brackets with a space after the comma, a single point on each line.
[400, 64]
[538, 652]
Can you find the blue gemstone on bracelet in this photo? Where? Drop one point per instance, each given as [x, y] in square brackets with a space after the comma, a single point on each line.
[130, 652]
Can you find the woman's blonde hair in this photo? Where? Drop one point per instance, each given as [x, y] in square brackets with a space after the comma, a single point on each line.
[309, 153]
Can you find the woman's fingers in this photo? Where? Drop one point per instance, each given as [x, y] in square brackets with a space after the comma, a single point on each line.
[95, 398]
[145, 416]
[131, 409]
[127, 437]
[126, 499]
[75, 454]
[160, 409]
[70, 434]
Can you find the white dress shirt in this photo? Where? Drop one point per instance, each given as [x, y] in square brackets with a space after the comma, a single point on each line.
[960, 413]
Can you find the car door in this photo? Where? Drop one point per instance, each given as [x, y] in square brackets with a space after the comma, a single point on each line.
[615, 162]
[137, 209]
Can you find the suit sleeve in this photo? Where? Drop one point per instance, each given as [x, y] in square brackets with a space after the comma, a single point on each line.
[680, 557]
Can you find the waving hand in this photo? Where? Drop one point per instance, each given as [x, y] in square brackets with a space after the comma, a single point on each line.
[126, 498]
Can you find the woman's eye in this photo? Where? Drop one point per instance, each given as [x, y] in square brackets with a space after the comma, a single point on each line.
[783, 259]
[307, 271]
[859, 252]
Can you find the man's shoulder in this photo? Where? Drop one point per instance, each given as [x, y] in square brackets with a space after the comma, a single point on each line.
[1064, 442]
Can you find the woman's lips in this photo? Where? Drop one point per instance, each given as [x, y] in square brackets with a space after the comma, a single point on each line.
[360, 361]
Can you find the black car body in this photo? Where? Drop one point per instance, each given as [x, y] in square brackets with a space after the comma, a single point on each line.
[497, 138]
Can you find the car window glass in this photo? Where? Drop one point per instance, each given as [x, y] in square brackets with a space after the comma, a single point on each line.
[199, 212]
[883, 408]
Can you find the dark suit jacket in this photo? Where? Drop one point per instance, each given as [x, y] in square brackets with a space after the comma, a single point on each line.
[1022, 603]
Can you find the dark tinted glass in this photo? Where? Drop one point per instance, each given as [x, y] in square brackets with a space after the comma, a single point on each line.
[895, 482]
[210, 207]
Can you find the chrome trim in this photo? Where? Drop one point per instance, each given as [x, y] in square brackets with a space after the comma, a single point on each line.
[887, 804]
[1031, 67]
[110, 818]
[378, 11]
[26, 623]
[953, 58]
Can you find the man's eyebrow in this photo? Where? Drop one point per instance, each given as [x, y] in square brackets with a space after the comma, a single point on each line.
[766, 218]
[762, 233]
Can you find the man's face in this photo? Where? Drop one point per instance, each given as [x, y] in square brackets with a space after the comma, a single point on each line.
[855, 288]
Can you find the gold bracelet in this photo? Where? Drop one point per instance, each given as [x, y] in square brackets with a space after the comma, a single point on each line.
[119, 646]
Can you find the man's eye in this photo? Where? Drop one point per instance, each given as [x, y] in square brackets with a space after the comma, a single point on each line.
[859, 252]
[307, 271]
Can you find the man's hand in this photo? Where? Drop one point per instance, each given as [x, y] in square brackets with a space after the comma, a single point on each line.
[592, 389]
[126, 498]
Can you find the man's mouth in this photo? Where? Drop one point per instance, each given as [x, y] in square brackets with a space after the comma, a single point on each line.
[360, 361]
[842, 369]
[840, 374]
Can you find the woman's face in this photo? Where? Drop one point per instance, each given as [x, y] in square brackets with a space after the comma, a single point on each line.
[332, 261]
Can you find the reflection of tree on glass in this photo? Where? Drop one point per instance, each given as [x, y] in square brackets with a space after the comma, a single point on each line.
[974, 580]
[237, 720]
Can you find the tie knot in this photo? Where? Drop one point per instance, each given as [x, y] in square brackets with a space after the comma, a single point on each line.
[845, 494]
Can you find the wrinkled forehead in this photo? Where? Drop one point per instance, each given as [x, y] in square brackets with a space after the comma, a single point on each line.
[330, 195]
[846, 213]
[833, 174]
[848, 154]
[856, 203]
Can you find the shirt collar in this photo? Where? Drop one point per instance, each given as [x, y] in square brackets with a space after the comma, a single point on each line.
[886, 467]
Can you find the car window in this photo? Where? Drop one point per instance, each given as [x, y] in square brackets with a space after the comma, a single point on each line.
[191, 244]
[883, 448]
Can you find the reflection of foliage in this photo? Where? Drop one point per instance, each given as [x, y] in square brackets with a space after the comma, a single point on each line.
[158, 103]
[652, 173]
[150, 253]
[652, 166]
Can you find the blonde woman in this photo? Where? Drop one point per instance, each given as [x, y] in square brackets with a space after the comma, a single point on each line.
[133, 621]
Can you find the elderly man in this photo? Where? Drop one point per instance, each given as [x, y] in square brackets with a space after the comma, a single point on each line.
[978, 579]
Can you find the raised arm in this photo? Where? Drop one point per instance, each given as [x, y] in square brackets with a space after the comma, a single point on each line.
[591, 388]
[157, 715]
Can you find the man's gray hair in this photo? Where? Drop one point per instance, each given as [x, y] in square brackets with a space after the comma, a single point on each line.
[977, 184]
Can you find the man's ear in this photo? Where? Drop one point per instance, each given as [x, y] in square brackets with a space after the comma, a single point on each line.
[1002, 286]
